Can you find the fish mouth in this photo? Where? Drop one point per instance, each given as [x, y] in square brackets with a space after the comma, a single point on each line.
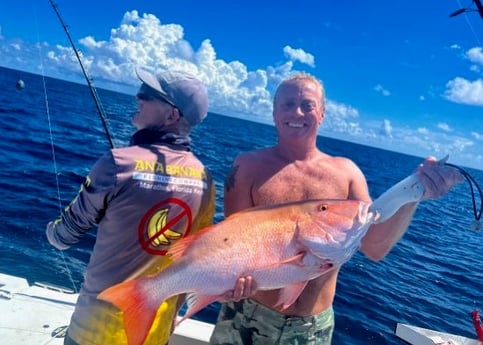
[326, 266]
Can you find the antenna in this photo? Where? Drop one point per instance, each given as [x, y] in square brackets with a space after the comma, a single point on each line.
[479, 9]
[455, 13]
[479, 6]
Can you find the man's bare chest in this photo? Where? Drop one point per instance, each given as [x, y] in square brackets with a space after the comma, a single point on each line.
[289, 186]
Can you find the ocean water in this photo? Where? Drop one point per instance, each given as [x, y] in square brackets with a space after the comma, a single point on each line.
[433, 278]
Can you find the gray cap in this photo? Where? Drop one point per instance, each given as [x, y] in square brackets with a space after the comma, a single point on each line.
[181, 89]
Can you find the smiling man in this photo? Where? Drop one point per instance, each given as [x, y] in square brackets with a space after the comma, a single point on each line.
[293, 170]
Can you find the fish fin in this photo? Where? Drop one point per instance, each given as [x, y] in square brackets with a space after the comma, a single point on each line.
[293, 260]
[196, 303]
[178, 249]
[138, 313]
[296, 259]
[289, 294]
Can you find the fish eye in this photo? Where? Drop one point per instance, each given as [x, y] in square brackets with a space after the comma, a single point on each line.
[323, 207]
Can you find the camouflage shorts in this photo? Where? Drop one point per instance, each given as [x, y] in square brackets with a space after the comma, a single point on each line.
[250, 323]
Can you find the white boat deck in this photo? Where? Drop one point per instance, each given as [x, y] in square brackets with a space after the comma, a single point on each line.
[423, 336]
[39, 314]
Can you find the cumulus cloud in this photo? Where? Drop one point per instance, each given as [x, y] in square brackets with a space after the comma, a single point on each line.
[475, 68]
[299, 55]
[460, 90]
[386, 128]
[382, 90]
[423, 131]
[424, 142]
[477, 136]
[142, 40]
[475, 55]
[444, 126]
[341, 118]
[463, 91]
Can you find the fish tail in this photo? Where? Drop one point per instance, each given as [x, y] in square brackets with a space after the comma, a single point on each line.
[138, 312]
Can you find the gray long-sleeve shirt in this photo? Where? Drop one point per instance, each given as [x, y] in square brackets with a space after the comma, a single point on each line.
[142, 199]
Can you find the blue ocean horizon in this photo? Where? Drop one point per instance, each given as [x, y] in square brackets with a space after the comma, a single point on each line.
[431, 279]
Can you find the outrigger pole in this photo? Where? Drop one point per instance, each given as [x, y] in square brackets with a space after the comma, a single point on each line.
[90, 82]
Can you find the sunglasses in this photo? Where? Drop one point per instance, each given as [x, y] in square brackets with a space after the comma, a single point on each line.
[148, 95]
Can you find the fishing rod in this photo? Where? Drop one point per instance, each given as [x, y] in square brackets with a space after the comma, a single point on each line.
[476, 225]
[90, 82]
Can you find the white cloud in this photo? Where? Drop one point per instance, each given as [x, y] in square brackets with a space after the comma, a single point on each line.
[423, 131]
[299, 55]
[422, 143]
[475, 68]
[477, 136]
[340, 118]
[463, 91]
[142, 40]
[386, 128]
[444, 126]
[341, 110]
[382, 90]
[475, 55]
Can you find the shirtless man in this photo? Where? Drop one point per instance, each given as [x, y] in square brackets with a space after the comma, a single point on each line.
[292, 170]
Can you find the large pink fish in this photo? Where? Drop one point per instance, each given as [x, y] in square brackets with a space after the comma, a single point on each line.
[282, 246]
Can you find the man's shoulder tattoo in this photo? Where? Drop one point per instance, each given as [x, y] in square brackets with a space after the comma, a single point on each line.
[230, 179]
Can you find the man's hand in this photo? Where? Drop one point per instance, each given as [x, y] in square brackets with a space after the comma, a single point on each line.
[437, 178]
[245, 287]
[51, 236]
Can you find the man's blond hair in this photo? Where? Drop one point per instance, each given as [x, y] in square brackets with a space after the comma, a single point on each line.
[302, 76]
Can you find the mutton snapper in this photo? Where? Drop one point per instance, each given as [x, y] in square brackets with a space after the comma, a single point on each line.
[281, 247]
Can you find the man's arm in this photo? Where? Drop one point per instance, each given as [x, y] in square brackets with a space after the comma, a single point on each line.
[437, 180]
[237, 197]
[87, 208]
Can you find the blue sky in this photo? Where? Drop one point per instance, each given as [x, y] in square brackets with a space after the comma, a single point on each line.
[400, 75]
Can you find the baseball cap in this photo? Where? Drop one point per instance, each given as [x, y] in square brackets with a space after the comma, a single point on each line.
[181, 89]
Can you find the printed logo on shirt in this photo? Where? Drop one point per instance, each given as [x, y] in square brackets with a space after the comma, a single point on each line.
[169, 177]
[169, 169]
[167, 221]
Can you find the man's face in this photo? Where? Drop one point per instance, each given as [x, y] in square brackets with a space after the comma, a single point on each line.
[298, 109]
[152, 111]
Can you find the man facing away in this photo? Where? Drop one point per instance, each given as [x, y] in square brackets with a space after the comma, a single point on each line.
[293, 170]
[142, 198]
